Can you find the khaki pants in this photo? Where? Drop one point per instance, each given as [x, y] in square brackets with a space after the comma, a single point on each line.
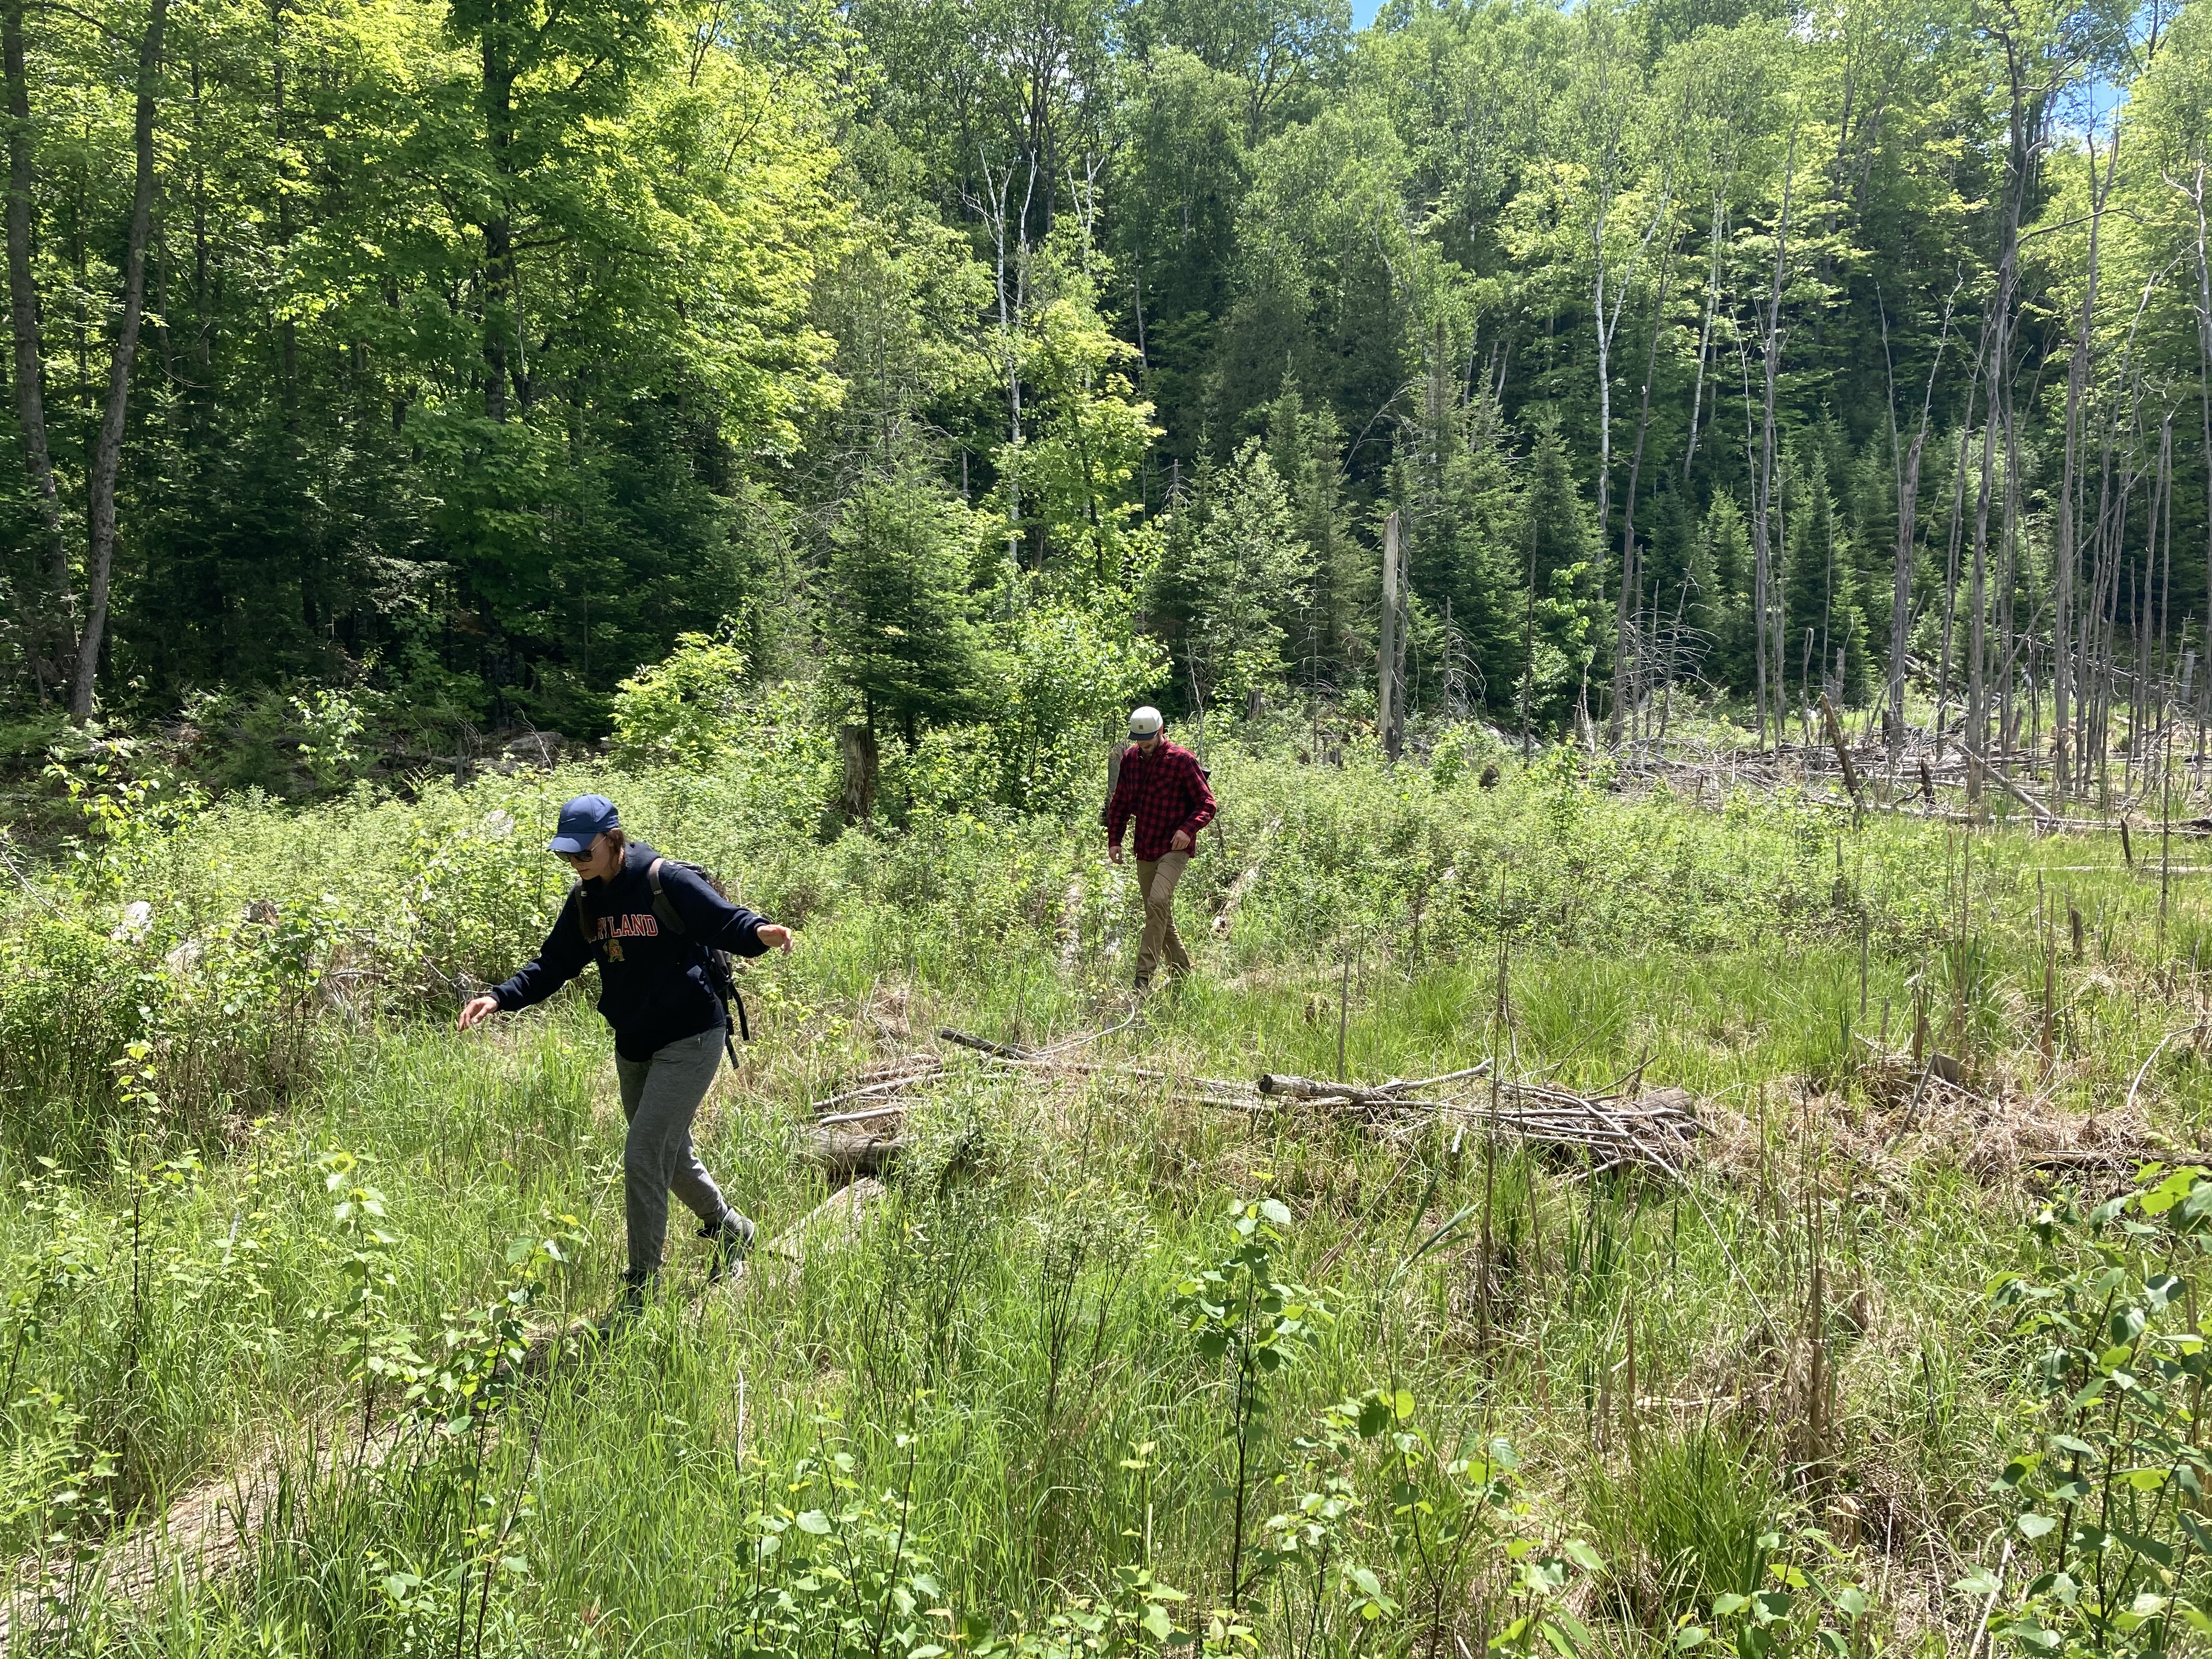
[1156, 882]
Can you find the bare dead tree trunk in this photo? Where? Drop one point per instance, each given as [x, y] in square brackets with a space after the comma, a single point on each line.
[1631, 575]
[1951, 558]
[1758, 561]
[51, 623]
[1908, 504]
[1763, 480]
[2020, 155]
[108, 452]
[2203, 371]
[2008, 563]
[1704, 339]
[2065, 564]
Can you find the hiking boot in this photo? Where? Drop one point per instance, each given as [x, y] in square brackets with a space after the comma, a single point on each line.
[730, 1242]
[629, 1309]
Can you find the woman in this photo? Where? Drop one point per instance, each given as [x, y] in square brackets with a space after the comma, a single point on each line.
[649, 923]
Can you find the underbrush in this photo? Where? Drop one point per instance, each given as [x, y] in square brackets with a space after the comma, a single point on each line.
[1105, 1371]
[188, 967]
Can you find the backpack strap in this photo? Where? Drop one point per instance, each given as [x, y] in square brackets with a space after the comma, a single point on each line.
[663, 906]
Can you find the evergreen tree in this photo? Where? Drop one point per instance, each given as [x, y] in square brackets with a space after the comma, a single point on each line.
[1569, 622]
[900, 636]
[1232, 583]
[1304, 446]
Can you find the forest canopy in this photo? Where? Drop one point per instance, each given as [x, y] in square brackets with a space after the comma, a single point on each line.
[443, 361]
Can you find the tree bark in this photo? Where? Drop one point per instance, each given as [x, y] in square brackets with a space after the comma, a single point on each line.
[499, 76]
[51, 624]
[2065, 572]
[2020, 158]
[1704, 341]
[1632, 576]
[1908, 508]
[107, 453]
[2204, 359]
[1391, 649]
[1763, 482]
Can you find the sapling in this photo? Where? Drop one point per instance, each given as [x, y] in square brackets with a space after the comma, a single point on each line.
[2109, 1494]
[1243, 1315]
[368, 1268]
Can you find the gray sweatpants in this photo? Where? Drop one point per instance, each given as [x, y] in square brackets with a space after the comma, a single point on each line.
[660, 1097]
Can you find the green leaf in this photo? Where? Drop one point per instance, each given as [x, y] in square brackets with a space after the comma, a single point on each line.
[2032, 1526]
[1695, 1636]
[1579, 1551]
[815, 1523]
[1156, 1622]
[1980, 1582]
[2152, 1548]
[1275, 1211]
[1561, 1643]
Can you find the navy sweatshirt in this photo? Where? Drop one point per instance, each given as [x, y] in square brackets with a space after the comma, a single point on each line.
[654, 988]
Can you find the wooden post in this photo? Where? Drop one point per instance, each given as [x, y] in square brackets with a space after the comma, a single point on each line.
[1843, 756]
[1389, 716]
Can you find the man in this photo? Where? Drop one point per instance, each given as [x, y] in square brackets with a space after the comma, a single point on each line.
[1163, 787]
[652, 927]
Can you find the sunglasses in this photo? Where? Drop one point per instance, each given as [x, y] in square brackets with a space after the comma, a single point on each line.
[584, 857]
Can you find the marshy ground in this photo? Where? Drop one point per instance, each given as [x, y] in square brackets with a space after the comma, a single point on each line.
[1106, 1365]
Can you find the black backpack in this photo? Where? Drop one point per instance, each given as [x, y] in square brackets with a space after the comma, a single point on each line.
[721, 973]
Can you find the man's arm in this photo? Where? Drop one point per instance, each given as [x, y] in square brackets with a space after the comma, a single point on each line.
[1199, 793]
[560, 959]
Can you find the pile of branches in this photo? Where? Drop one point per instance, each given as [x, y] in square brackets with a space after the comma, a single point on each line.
[1657, 1131]
[858, 1129]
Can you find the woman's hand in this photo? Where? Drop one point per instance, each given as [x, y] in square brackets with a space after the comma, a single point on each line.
[775, 937]
[478, 1010]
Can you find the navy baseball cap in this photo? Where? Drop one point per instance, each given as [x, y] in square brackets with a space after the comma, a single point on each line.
[583, 821]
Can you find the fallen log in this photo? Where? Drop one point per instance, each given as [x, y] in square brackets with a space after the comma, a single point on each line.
[841, 1152]
[984, 1045]
[1285, 1084]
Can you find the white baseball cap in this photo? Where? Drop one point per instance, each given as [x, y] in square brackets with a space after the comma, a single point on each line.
[1145, 722]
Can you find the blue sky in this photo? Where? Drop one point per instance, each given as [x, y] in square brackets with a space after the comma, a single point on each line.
[1362, 12]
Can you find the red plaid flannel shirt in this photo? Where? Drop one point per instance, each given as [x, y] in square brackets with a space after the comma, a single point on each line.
[1165, 792]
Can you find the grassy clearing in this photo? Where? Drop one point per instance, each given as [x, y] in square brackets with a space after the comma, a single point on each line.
[988, 1419]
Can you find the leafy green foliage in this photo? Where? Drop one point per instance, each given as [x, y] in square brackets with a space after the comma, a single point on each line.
[2108, 1492]
[1232, 583]
[687, 709]
[1240, 1314]
[1798, 1599]
[900, 630]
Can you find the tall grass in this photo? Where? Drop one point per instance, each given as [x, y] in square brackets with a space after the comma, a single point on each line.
[985, 1403]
